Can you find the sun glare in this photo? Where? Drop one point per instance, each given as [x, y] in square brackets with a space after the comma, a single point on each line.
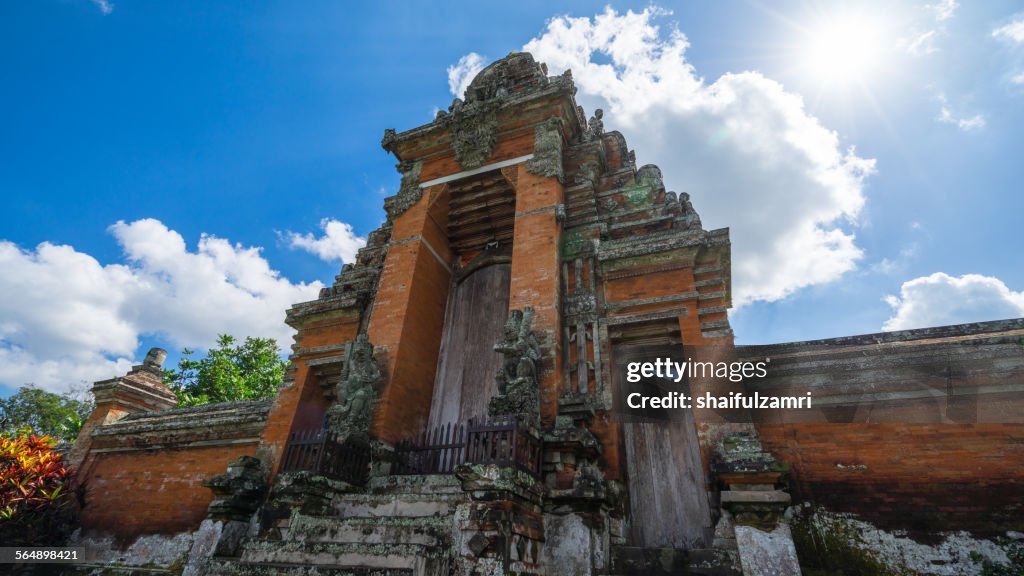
[842, 49]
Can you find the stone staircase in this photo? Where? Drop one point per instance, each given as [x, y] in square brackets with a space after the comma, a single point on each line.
[400, 526]
[629, 561]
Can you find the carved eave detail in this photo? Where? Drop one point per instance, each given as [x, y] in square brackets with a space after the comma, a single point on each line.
[409, 191]
[474, 132]
[412, 143]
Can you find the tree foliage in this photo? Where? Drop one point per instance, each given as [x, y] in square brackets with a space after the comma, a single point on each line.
[31, 409]
[230, 371]
[37, 507]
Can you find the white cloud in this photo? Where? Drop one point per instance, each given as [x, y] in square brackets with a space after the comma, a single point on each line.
[944, 9]
[1017, 78]
[68, 318]
[925, 43]
[1012, 32]
[339, 241]
[462, 73]
[966, 124]
[746, 149]
[105, 6]
[941, 299]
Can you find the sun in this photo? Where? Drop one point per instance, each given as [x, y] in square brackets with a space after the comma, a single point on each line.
[842, 49]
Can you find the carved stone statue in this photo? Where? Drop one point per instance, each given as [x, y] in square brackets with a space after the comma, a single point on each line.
[351, 415]
[690, 216]
[595, 126]
[517, 378]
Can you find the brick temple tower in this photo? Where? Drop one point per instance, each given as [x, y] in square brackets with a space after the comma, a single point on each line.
[512, 201]
[453, 404]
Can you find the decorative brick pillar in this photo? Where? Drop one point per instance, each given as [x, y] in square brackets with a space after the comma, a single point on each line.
[753, 519]
[535, 274]
[408, 315]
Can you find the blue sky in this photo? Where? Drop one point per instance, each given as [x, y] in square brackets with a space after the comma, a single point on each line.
[174, 170]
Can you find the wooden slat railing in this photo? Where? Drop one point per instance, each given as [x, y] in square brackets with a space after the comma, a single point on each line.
[503, 441]
[320, 451]
[436, 451]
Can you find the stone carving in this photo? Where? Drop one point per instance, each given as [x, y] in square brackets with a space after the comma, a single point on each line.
[595, 126]
[547, 150]
[589, 172]
[690, 216]
[580, 303]
[356, 392]
[515, 74]
[389, 139]
[474, 131]
[238, 492]
[409, 191]
[517, 379]
[650, 175]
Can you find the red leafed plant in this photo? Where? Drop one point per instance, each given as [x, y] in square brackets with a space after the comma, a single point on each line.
[36, 506]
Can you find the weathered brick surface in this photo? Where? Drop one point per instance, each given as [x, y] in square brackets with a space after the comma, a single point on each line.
[408, 317]
[920, 430]
[301, 405]
[926, 477]
[129, 494]
[535, 274]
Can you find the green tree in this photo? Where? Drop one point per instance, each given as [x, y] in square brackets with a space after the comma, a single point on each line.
[230, 371]
[45, 413]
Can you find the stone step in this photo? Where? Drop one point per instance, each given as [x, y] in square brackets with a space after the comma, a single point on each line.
[396, 505]
[232, 567]
[630, 561]
[412, 484]
[347, 555]
[423, 531]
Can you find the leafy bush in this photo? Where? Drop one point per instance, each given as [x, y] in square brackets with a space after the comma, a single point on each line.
[49, 414]
[230, 371]
[36, 506]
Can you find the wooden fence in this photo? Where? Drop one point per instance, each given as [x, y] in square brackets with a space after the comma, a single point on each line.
[320, 451]
[438, 451]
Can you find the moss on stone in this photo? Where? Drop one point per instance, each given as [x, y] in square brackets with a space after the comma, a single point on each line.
[831, 546]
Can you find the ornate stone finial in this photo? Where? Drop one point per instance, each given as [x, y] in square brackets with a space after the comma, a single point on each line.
[518, 392]
[155, 358]
[689, 215]
[595, 126]
[351, 415]
[514, 74]
[389, 139]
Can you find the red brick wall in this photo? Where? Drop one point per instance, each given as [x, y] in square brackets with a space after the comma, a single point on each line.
[912, 476]
[129, 494]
